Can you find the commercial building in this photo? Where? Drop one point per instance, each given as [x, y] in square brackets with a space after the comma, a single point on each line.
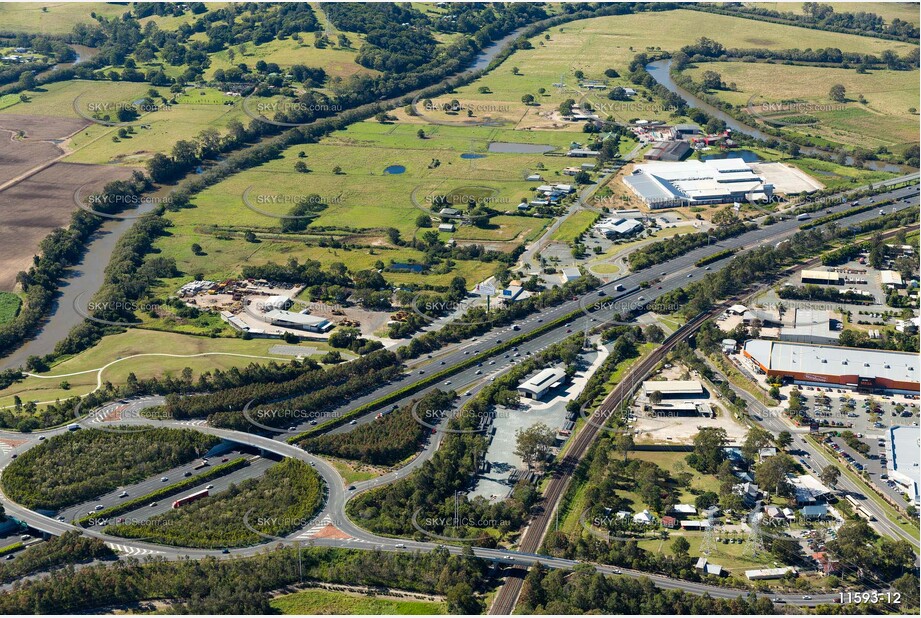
[904, 446]
[619, 228]
[538, 385]
[716, 181]
[300, 321]
[761, 574]
[822, 277]
[673, 388]
[859, 368]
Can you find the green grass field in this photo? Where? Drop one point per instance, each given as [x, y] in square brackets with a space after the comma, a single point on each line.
[336, 61]
[883, 121]
[54, 17]
[362, 201]
[326, 602]
[906, 11]
[9, 306]
[575, 226]
[94, 144]
[594, 45]
[137, 342]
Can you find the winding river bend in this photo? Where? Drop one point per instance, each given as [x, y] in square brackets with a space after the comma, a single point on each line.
[661, 72]
[85, 279]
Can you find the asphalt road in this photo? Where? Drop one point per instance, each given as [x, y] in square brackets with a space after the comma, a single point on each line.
[676, 274]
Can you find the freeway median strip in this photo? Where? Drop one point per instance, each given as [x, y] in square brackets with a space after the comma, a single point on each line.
[430, 380]
[164, 492]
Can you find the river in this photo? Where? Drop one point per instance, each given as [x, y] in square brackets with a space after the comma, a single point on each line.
[85, 279]
[660, 71]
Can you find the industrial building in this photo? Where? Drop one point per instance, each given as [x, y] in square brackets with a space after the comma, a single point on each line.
[822, 277]
[668, 151]
[300, 321]
[859, 368]
[674, 388]
[538, 385]
[715, 181]
[891, 279]
[272, 302]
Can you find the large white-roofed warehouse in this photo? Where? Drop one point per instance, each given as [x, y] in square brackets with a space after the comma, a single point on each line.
[715, 181]
[858, 368]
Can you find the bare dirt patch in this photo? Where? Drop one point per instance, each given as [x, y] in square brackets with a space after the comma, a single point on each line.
[30, 209]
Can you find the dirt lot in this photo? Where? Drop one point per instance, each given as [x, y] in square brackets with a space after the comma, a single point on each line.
[26, 142]
[30, 209]
[682, 429]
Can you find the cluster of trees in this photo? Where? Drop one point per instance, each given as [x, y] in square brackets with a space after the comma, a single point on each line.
[843, 254]
[69, 548]
[282, 500]
[245, 586]
[70, 468]
[867, 553]
[387, 440]
[669, 248]
[585, 591]
[295, 389]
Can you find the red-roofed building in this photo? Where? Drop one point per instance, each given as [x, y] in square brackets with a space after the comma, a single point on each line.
[669, 522]
[826, 564]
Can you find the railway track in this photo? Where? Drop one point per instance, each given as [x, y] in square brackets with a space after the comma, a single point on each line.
[507, 597]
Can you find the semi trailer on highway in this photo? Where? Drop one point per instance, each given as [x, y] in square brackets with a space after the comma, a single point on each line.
[198, 495]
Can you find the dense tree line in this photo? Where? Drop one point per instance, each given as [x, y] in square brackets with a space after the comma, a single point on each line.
[820, 292]
[476, 321]
[387, 440]
[70, 468]
[705, 49]
[279, 502]
[282, 399]
[69, 548]
[585, 591]
[670, 248]
[625, 343]
[244, 586]
[822, 17]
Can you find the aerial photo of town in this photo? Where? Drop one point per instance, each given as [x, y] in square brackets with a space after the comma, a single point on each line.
[422, 308]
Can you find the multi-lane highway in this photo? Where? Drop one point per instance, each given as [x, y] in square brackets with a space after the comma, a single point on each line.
[675, 274]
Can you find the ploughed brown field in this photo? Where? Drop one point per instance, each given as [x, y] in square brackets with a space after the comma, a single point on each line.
[36, 191]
